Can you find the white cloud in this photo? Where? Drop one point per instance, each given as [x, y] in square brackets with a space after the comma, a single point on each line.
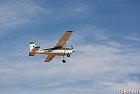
[133, 38]
[18, 12]
[70, 9]
[79, 8]
[15, 14]
[90, 34]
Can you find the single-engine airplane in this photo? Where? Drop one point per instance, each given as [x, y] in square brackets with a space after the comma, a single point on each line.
[58, 50]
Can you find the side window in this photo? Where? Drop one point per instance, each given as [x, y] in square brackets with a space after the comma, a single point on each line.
[49, 50]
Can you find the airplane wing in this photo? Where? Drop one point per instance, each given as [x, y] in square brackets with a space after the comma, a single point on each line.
[63, 39]
[49, 57]
[33, 51]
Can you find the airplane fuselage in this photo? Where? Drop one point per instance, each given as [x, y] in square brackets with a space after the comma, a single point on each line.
[57, 52]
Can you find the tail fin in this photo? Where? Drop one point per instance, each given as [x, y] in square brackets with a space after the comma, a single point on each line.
[32, 45]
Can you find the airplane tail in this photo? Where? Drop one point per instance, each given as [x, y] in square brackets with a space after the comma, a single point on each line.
[32, 45]
[33, 49]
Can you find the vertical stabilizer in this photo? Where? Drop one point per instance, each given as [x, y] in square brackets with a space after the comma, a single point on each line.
[32, 45]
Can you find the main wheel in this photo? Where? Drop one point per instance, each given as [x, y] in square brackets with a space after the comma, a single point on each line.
[68, 55]
[64, 61]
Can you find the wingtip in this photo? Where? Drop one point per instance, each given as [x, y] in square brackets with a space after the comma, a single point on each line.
[69, 31]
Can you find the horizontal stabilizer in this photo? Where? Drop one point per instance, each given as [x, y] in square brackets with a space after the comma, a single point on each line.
[33, 51]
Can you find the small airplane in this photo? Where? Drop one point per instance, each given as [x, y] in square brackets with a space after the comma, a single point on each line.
[58, 50]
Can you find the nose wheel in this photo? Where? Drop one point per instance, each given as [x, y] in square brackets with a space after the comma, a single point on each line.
[68, 55]
[64, 61]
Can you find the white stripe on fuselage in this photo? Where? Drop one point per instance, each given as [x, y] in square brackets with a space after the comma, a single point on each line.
[54, 51]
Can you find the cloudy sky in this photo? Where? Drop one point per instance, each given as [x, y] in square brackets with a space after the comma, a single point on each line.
[106, 39]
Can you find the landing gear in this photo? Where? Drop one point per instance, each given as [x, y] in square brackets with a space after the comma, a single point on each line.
[68, 55]
[64, 61]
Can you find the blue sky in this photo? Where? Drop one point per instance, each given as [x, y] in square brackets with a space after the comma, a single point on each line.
[106, 40]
